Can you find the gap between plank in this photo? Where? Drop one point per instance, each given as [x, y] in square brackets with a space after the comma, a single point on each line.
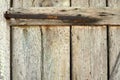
[11, 3]
[108, 46]
[11, 53]
[11, 73]
[70, 47]
[42, 55]
[108, 56]
[107, 3]
[70, 52]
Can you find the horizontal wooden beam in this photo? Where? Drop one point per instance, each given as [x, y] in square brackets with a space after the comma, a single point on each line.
[63, 16]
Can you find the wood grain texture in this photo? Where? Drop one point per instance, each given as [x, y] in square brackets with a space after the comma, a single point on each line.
[114, 42]
[69, 16]
[34, 58]
[4, 42]
[26, 48]
[56, 48]
[56, 53]
[114, 45]
[62, 11]
[26, 54]
[89, 49]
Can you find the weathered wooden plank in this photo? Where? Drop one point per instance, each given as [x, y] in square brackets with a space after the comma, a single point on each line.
[57, 13]
[26, 48]
[28, 22]
[4, 42]
[64, 16]
[56, 53]
[56, 48]
[89, 49]
[114, 46]
[114, 52]
[26, 54]
[29, 60]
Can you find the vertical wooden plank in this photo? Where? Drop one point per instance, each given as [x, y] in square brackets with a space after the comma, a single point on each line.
[114, 46]
[56, 48]
[56, 53]
[4, 42]
[89, 49]
[29, 60]
[26, 47]
[114, 52]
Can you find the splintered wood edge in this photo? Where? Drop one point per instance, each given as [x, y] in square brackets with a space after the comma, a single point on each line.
[63, 16]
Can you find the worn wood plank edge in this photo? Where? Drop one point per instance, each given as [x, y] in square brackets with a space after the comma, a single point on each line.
[63, 16]
[55, 23]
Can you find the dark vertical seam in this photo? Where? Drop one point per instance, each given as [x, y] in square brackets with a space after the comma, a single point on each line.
[70, 47]
[71, 53]
[11, 3]
[42, 55]
[70, 3]
[108, 47]
[108, 56]
[107, 4]
[11, 46]
[11, 55]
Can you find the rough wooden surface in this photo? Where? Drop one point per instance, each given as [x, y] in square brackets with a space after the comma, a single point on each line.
[89, 49]
[62, 11]
[69, 16]
[56, 48]
[56, 53]
[114, 45]
[4, 42]
[40, 53]
[114, 42]
[26, 48]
